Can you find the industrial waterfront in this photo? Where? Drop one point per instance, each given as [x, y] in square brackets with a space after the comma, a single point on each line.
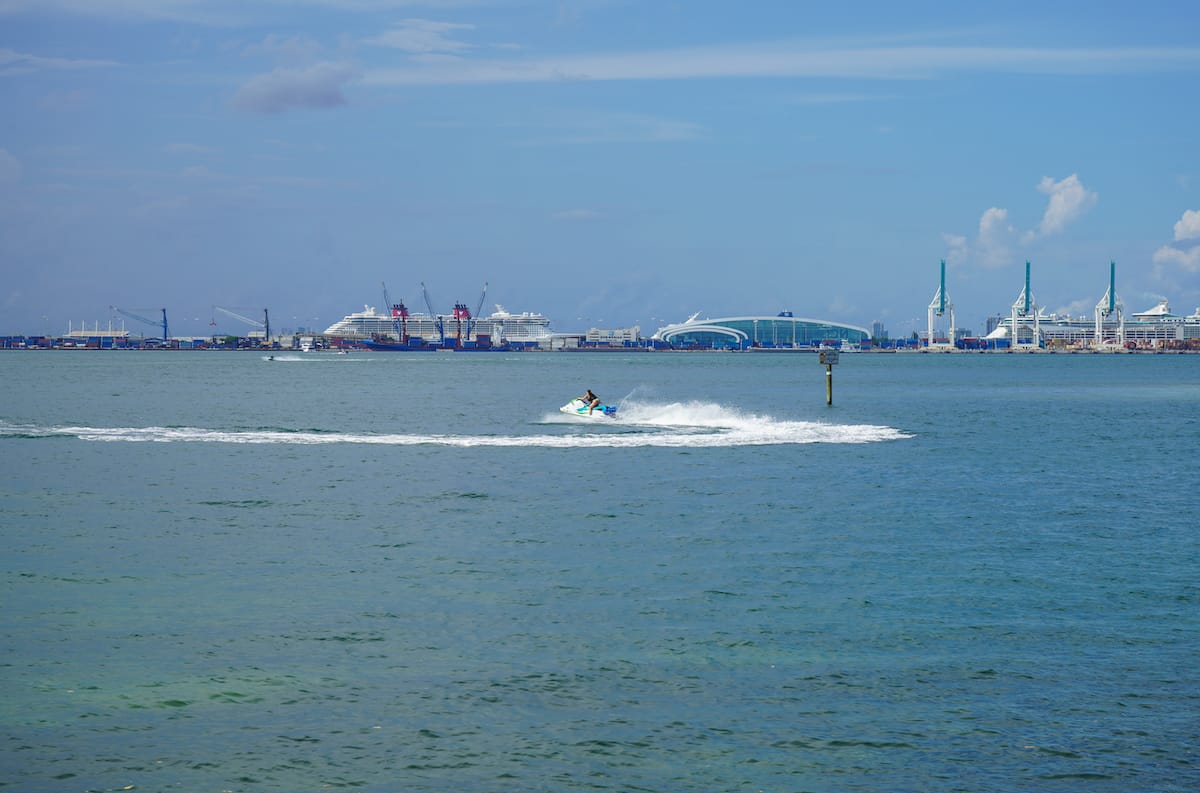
[1026, 328]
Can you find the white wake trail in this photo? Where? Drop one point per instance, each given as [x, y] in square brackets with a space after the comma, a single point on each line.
[677, 425]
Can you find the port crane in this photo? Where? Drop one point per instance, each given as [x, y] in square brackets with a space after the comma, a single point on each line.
[436, 316]
[478, 308]
[1110, 304]
[265, 324]
[1025, 308]
[146, 320]
[399, 316]
[461, 314]
[938, 307]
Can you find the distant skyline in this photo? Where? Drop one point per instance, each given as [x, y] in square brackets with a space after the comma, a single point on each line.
[605, 162]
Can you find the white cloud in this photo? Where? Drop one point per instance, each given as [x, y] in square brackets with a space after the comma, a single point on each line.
[13, 63]
[317, 86]
[1188, 260]
[1188, 227]
[423, 36]
[1069, 200]
[286, 49]
[956, 248]
[205, 12]
[1076, 308]
[221, 13]
[996, 235]
[792, 59]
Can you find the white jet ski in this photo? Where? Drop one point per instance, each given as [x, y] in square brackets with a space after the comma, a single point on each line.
[577, 407]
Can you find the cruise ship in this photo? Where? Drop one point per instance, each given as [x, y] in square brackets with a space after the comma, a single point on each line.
[501, 326]
[361, 324]
[1155, 327]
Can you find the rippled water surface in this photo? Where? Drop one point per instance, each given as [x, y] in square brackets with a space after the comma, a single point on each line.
[392, 572]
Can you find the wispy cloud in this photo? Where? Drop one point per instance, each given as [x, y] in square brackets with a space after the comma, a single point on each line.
[13, 62]
[1184, 259]
[317, 86]
[300, 48]
[996, 238]
[795, 59]
[956, 248]
[423, 36]
[211, 12]
[197, 11]
[1187, 228]
[1069, 200]
[1076, 308]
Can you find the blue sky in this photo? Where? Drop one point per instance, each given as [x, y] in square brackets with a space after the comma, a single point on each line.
[605, 162]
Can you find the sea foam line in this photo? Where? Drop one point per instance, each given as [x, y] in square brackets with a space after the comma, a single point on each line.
[752, 433]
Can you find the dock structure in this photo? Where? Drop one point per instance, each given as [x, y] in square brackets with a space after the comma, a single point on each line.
[939, 306]
[1025, 318]
[1110, 333]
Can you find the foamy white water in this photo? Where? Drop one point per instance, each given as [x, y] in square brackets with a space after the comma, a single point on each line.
[314, 357]
[691, 425]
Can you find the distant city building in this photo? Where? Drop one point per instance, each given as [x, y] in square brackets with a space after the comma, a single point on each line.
[994, 322]
[878, 331]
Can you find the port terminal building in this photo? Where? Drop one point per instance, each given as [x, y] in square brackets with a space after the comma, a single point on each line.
[782, 331]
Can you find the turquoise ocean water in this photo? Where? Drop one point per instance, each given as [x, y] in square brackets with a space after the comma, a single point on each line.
[409, 572]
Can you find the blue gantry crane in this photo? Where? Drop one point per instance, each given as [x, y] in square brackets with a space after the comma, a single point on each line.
[265, 324]
[157, 323]
[437, 318]
[399, 314]
[478, 308]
